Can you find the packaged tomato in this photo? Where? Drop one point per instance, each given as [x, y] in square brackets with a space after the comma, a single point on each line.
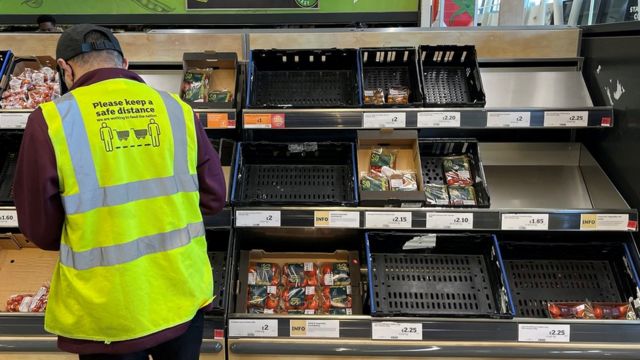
[264, 274]
[40, 299]
[336, 297]
[19, 303]
[265, 297]
[592, 310]
[335, 274]
[300, 274]
[294, 298]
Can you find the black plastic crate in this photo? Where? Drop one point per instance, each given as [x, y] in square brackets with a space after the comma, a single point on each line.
[432, 154]
[8, 162]
[299, 173]
[218, 261]
[303, 79]
[456, 275]
[543, 272]
[384, 68]
[451, 76]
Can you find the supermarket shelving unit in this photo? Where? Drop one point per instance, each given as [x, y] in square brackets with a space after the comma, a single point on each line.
[535, 91]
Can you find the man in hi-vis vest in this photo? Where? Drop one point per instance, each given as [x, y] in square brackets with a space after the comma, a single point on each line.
[122, 205]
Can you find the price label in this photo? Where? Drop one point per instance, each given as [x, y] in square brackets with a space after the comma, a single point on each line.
[508, 119]
[388, 219]
[264, 121]
[450, 221]
[8, 218]
[387, 330]
[13, 120]
[544, 333]
[384, 120]
[606, 222]
[253, 328]
[439, 119]
[217, 120]
[525, 221]
[315, 328]
[250, 218]
[566, 118]
[341, 219]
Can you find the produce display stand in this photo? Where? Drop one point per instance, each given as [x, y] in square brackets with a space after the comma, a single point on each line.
[542, 186]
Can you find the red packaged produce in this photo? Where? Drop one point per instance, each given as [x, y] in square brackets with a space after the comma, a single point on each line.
[39, 301]
[264, 274]
[300, 274]
[335, 274]
[19, 303]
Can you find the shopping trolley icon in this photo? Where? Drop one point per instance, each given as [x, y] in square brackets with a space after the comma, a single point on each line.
[140, 133]
[123, 135]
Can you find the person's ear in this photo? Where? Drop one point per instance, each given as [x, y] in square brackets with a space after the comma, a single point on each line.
[67, 70]
[125, 63]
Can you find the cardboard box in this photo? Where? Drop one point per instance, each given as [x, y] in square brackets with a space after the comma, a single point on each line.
[223, 77]
[281, 258]
[19, 64]
[23, 270]
[408, 158]
[6, 56]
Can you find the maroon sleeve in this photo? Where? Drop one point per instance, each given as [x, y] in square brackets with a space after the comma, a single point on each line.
[213, 194]
[36, 186]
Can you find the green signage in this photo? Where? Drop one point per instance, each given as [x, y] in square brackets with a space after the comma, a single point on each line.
[113, 7]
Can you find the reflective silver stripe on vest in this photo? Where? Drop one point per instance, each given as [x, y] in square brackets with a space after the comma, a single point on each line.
[91, 195]
[124, 193]
[124, 253]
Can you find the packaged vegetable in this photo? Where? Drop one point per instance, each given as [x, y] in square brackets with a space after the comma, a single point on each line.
[382, 157]
[335, 274]
[373, 181]
[398, 95]
[263, 296]
[436, 194]
[462, 195]
[374, 96]
[194, 85]
[300, 274]
[219, 96]
[264, 274]
[336, 297]
[457, 170]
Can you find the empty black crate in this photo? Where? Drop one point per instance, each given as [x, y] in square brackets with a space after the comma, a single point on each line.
[303, 78]
[8, 162]
[385, 68]
[218, 261]
[451, 76]
[548, 271]
[432, 154]
[455, 275]
[295, 173]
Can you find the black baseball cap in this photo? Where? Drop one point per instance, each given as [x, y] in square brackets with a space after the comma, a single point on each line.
[72, 42]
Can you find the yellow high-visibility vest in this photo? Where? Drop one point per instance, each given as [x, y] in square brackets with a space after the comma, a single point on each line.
[133, 255]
